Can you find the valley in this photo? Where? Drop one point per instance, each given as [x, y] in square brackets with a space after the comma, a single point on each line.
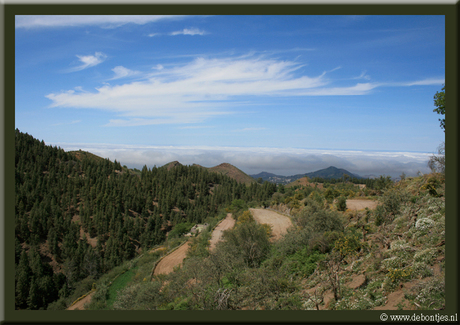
[93, 235]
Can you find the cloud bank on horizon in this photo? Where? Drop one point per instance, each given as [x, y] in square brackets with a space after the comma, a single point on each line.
[340, 82]
[279, 161]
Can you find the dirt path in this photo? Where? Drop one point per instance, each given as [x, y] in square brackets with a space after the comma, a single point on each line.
[357, 204]
[227, 223]
[278, 222]
[80, 305]
[172, 260]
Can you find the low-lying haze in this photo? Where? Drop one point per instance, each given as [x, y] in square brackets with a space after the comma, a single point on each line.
[252, 160]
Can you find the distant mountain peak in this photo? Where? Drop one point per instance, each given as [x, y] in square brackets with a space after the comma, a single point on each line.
[233, 172]
[172, 164]
[326, 173]
[331, 172]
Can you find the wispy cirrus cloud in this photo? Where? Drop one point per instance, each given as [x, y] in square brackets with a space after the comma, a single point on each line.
[363, 75]
[425, 82]
[189, 31]
[422, 82]
[185, 31]
[89, 61]
[106, 21]
[122, 72]
[204, 87]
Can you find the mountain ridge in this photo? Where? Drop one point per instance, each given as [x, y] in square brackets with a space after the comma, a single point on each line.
[330, 172]
[224, 169]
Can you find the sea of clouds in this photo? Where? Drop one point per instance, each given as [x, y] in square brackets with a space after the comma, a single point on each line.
[253, 160]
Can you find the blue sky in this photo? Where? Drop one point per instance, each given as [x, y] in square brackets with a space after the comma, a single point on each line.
[283, 94]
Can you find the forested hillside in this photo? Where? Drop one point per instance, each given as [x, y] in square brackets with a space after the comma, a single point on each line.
[333, 257]
[86, 224]
[388, 256]
[77, 217]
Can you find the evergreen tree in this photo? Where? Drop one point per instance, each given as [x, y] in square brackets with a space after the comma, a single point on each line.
[33, 299]
[23, 277]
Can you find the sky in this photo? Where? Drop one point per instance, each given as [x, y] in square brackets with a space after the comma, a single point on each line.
[281, 94]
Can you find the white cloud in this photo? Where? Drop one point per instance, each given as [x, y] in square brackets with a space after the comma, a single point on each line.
[122, 72]
[426, 82]
[253, 160]
[89, 61]
[202, 88]
[107, 21]
[363, 76]
[191, 92]
[187, 31]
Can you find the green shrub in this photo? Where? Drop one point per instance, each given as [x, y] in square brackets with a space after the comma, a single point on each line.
[82, 288]
[319, 220]
[341, 203]
[391, 202]
[118, 284]
[347, 246]
[180, 229]
[249, 240]
[422, 270]
[426, 256]
[396, 275]
[379, 215]
[430, 295]
[99, 298]
[237, 207]
[139, 297]
[304, 262]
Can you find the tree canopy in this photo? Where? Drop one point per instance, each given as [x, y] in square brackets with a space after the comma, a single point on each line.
[439, 102]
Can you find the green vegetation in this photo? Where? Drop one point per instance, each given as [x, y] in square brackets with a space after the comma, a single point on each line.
[440, 103]
[103, 227]
[318, 258]
[78, 215]
[118, 284]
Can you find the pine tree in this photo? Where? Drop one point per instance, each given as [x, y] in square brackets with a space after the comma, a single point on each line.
[33, 299]
[23, 277]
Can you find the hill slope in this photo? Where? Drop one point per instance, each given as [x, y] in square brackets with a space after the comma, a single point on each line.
[304, 181]
[172, 164]
[331, 172]
[81, 154]
[388, 257]
[326, 173]
[230, 171]
[233, 172]
[78, 216]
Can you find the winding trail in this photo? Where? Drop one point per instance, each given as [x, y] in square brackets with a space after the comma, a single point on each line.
[227, 223]
[278, 222]
[170, 261]
[81, 304]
